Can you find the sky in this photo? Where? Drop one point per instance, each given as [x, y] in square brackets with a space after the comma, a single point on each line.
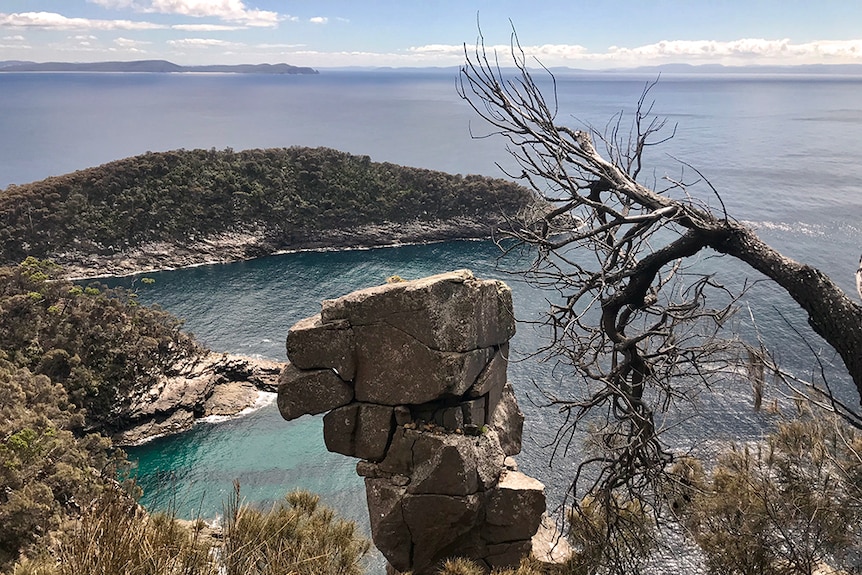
[590, 34]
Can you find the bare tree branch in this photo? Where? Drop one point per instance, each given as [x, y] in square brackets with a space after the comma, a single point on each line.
[631, 318]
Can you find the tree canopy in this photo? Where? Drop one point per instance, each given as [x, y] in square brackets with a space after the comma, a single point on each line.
[98, 343]
[287, 193]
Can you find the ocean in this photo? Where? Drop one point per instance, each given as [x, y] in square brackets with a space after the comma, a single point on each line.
[783, 151]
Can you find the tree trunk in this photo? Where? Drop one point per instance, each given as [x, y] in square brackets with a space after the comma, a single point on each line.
[831, 313]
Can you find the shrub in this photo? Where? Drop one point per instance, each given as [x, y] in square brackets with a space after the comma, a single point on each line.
[784, 506]
[610, 535]
[297, 536]
[47, 473]
[115, 536]
[461, 566]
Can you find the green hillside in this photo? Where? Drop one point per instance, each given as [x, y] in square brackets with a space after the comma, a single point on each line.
[286, 193]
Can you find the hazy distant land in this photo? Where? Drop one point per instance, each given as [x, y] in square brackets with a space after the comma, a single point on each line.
[164, 66]
[158, 66]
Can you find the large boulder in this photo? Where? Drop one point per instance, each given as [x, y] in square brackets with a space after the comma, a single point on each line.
[312, 344]
[311, 392]
[494, 375]
[447, 312]
[394, 368]
[413, 376]
[360, 430]
[444, 464]
[514, 508]
[508, 420]
[436, 522]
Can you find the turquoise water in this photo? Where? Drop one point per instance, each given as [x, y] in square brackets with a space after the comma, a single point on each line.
[248, 308]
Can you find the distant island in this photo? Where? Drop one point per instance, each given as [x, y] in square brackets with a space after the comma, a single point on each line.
[758, 69]
[151, 66]
[172, 209]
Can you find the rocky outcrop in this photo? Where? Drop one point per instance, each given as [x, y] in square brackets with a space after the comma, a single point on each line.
[215, 384]
[412, 376]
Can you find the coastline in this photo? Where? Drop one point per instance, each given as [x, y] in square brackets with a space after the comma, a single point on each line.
[235, 246]
[217, 387]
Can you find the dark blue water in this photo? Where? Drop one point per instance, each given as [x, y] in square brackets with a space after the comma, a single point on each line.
[785, 154]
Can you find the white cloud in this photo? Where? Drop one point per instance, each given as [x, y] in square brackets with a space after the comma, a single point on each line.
[831, 49]
[228, 10]
[129, 43]
[319, 20]
[203, 43]
[440, 49]
[279, 46]
[743, 51]
[546, 52]
[746, 47]
[14, 38]
[739, 52]
[207, 27]
[54, 21]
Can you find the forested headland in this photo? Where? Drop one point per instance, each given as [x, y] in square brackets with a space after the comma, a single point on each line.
[249, 203]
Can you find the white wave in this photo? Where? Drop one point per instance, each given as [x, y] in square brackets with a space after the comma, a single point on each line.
[145, 440]
[264, 398]
[812, 230]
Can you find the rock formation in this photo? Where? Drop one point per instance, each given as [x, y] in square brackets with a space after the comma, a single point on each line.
[214, 384]
[413, 377]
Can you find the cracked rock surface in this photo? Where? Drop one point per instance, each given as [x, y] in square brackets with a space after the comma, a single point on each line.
[413, 377]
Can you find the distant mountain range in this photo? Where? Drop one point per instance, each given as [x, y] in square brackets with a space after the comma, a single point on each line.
[705, 69]
[157, 66]
[163, 66]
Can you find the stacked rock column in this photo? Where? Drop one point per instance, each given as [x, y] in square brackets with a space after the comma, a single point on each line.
[413, 377]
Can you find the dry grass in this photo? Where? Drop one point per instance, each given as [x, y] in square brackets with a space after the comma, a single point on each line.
[115, 536]
[298, 537]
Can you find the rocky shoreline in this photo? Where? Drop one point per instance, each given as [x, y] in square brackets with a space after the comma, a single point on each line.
[217, 384]
[221, 384]
[242, 245]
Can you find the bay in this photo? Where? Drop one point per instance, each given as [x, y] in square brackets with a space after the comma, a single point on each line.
[783, 152]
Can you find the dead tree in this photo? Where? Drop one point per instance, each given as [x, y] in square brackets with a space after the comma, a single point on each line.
[631, 315]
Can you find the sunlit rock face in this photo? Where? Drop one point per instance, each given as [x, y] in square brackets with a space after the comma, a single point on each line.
[412, 376]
